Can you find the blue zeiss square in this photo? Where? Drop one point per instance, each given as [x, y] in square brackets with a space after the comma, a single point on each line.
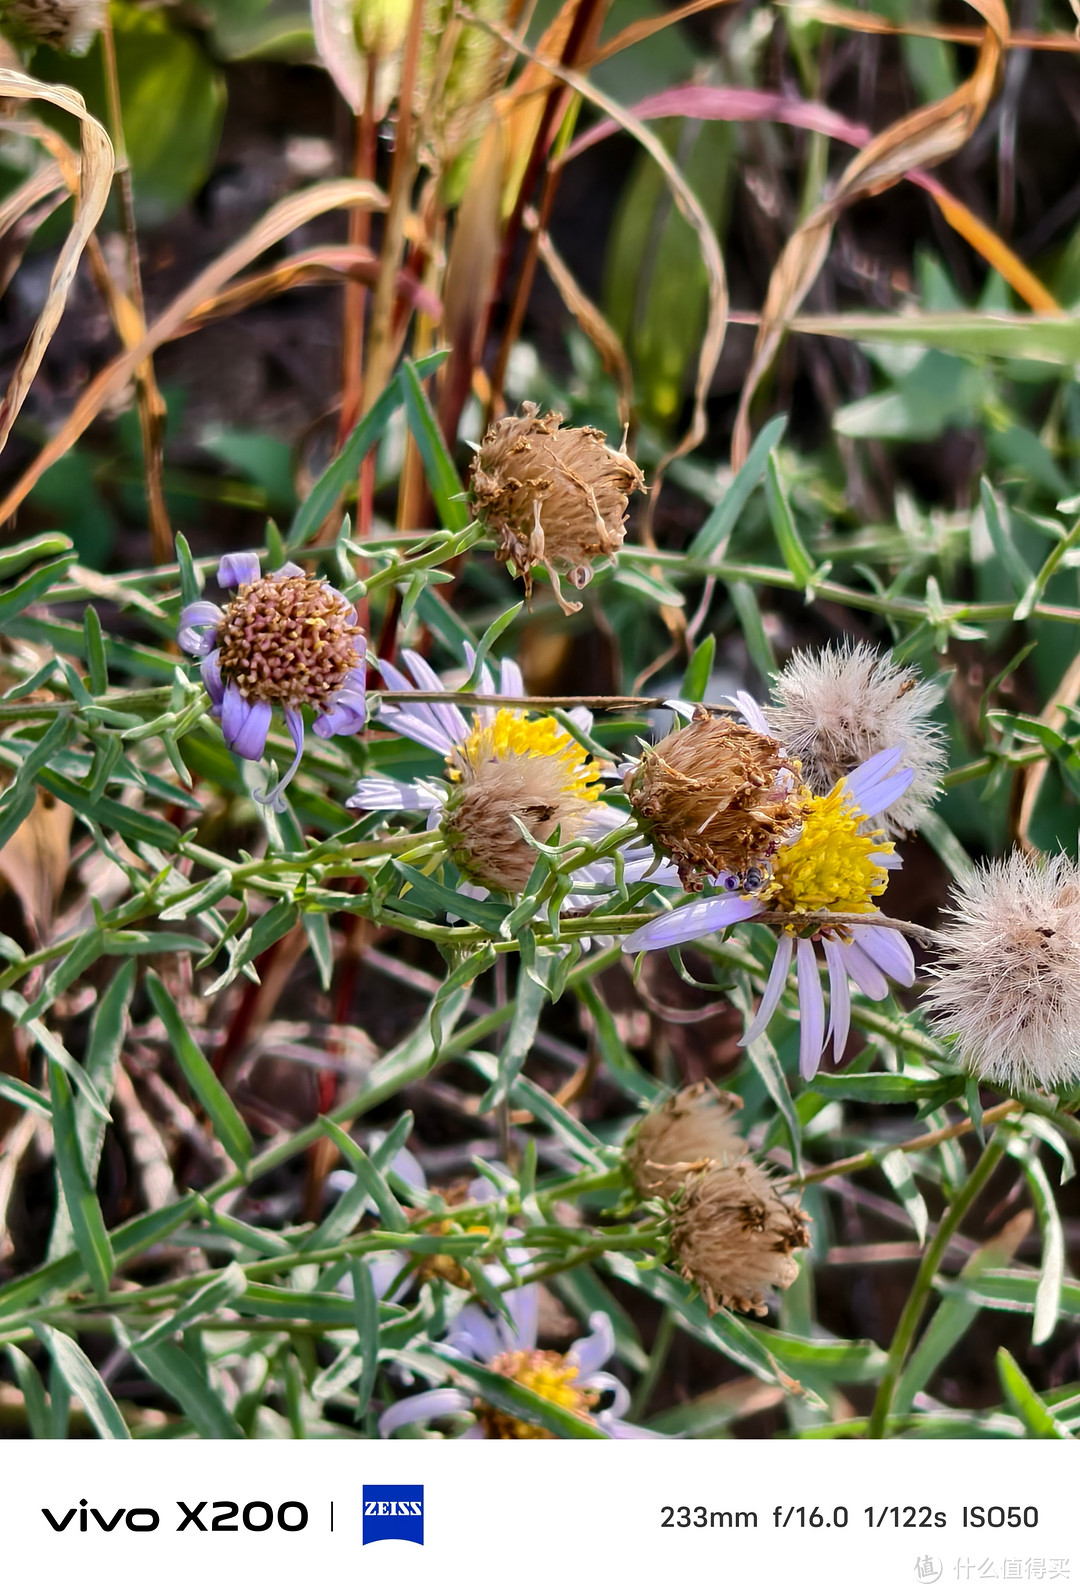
[394, 1511]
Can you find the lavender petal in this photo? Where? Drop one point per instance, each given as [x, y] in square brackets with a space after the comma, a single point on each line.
[752, 712]
[690, 922]
[811, 1010]
[473, 1334]
[596, 1349]
[839, 998]
[448, 715]
[866, 974]
[877, 783]
[210, 671]
[376, 792]
[288, 569]
[198, 625]
[888, 949]
[238, 569]
[774, 989]
[422, 1408]
[273, 798]
[244, 724]
[511, 681]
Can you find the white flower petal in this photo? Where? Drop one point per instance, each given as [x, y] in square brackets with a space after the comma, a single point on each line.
[774, 989]
[811, 1010]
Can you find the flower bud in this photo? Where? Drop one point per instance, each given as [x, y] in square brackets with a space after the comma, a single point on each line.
[552, 495]
[687, 1133]
[717, 798]
[733, 1236]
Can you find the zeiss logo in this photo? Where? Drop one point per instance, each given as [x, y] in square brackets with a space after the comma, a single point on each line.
[394, 1511]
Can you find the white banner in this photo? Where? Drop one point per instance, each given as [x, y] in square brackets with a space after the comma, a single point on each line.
[419, 1516]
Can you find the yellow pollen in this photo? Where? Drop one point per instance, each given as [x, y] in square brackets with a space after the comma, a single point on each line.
[513, 735]
[548, 1375]
[829, 868]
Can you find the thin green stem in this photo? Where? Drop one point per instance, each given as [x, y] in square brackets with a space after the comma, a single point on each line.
[911, 1316]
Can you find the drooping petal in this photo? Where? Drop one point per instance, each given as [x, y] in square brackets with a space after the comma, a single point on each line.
[236, 569]
[273, 798]
[752, 712]
[474, 1334]
[244, 724]
[596, 1349]
[197, 630]
[448, 715]
[511, 681]
[688, 923]
[524, 1307]
[419, 726]
[376, 792]
[347, 713]
[866, 974]
[289, 568]
[877, 783]
[888, 949]
[210, 670]
[839, 998]
[811, 1010]
[422, 1408]
[774, 989]
[609, 1384]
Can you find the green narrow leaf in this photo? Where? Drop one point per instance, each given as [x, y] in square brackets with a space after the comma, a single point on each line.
[341, 472]
[793, 550]
[518, 1400]
[1048, 1294]
[1024, 1403]
[744, 601]
[529, 1000]
[189, 580]
[84, 1382]
[171, 1367]
[696, 678]
[33, 587]
[368, 1178]
[96, 662]
[443, 480]
[897, 1169]
[228, 1286]
[317, 930]
[715, 534]
[87, 1224]
[14, 559]
[33, 1392]
[367, 1330]
[230, 1128]
[762, 1054]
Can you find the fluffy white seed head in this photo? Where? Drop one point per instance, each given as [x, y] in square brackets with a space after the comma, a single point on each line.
[1007, 982]
[836, 706]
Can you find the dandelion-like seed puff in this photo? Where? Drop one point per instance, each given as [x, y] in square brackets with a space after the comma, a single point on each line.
[1007, 976]
[836, 707]
[835, 865]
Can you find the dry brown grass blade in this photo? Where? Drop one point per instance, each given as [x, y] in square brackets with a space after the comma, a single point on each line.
[308, 268]
[34, 863]
[637, 32]
[284, 218]
[869, 22]
[689, 207]
[924, 138]
[597, 329]
[23, 212]
[95, 178]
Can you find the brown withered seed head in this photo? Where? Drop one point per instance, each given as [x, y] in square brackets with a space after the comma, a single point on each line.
[716, 797]
[552, 495]
[733, 1237]
[289, 640]
[687, 1133]
[478, 819]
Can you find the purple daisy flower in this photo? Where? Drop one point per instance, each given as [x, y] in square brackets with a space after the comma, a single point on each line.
[286, 640]
[575, 1380]
[834, 866]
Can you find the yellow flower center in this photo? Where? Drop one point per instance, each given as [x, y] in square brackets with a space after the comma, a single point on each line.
[830, 867]
[512, 735]
[548, 1375]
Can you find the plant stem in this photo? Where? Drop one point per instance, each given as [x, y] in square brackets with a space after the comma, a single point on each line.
[911, 1316]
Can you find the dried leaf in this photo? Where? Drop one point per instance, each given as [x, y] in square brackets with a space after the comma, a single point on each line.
[282, 219]
[34, 863]
[95, 179]
[924, 138]
[596, 328]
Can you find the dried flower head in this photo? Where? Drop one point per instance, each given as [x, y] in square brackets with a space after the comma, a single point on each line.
[733, 1236]
[287, 641]
[552, 495]
[687, 1133]
[836, 707]
[716, 797]
[69, 25]
[510, 769]
[1007, 982]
